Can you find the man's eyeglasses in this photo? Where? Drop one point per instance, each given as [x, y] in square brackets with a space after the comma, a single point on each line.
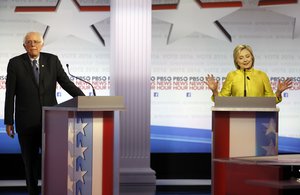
[32, 42]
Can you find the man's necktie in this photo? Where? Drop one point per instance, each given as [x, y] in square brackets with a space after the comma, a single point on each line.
[35, 70]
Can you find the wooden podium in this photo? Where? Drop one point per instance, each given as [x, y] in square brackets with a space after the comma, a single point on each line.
[242, 127]
[80, 146]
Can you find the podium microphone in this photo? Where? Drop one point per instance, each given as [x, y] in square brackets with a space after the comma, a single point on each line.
[245, 90]
[94, 93]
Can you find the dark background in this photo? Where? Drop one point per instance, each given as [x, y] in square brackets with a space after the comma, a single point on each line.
[166, 166]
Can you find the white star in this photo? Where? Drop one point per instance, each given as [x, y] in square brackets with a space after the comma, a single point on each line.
[291, 10]
[79, 151]
[71, 142]
[70, 180]
[79, 127]
[190, 17]
[270, 149]
[70, 173]
[73, 150]
[79, 176]
[68, 20]
[71, 131]
[270, 127]
[70, 153]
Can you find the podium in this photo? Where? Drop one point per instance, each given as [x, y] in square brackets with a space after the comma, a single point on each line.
[242, 127]
[80, 146]
[262, 175]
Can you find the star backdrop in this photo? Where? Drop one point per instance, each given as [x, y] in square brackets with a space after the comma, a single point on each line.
[190, 39]
[72, 22]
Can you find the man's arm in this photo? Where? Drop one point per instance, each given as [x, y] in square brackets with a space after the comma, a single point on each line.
[10, 95]
[66, 83]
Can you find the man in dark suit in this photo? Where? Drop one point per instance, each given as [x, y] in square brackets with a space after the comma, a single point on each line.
[26, 94]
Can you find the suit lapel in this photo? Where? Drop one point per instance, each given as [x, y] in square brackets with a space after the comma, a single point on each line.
[42, 62]
[43, 71]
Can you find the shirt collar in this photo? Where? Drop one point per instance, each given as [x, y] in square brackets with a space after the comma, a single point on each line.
[37, 59]
[247, 70]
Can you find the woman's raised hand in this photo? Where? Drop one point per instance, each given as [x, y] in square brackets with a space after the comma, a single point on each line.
[212, 84]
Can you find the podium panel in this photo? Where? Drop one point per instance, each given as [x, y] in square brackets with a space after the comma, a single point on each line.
[242, 126]
[79, 149]
[245, 133]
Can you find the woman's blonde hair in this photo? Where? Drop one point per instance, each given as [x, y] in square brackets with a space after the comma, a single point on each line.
[236, 52]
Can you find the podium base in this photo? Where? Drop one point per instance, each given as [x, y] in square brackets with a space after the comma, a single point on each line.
[135, 176]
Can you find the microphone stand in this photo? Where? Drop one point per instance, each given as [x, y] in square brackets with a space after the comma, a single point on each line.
[94, 92]
[245, 91]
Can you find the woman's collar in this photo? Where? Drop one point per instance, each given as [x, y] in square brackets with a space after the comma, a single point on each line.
[247, 70]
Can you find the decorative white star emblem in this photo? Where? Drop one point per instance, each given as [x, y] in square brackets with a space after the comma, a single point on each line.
[70, 180]
[79, 176]
[79, 151]
[74, 152]
[71, 130]
[70, 154]
[270, 149]
[71, 22]
[190, 17]
[79, 127]
[270, 127]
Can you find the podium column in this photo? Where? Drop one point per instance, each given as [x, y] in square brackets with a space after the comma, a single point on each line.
[130, 78]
